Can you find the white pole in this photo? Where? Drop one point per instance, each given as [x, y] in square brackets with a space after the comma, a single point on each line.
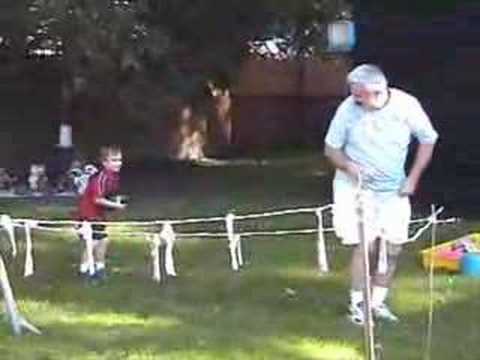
[321, 249]
[368, 325]
[16, 320]
[431, 285]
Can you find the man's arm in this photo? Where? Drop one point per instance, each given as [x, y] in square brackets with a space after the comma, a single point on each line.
[423, 156]
[342, 162]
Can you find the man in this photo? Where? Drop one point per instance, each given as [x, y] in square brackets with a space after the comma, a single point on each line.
[368, 141]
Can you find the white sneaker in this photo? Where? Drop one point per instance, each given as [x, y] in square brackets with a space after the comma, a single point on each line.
[382, 312]
[356, 314]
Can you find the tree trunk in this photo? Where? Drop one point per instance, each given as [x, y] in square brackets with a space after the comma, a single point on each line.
[220, 121]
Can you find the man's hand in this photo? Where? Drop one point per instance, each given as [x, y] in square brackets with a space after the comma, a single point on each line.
[353, 170]
[422, 158]
[408, 187]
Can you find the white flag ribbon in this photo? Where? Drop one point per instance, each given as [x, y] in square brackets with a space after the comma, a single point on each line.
[29, 265]
[168, 234]
[233, 241]
[321, 248]
[7, 223]
[155, 241]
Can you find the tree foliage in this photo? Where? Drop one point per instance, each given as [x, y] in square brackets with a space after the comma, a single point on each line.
[127, 61]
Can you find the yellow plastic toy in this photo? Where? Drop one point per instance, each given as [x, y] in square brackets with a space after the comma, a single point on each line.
[448, 263]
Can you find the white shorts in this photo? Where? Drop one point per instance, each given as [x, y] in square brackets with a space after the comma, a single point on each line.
[386, 215]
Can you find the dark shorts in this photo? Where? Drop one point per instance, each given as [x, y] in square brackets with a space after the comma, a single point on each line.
[99, 232]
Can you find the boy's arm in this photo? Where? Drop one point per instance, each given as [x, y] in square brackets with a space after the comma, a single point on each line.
[109, 203]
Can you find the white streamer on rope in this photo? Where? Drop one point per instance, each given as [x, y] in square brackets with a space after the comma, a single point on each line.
[86, 232]
[168, 234]
[6, 223]
[155, 242]
[369, 333]
[321, 248]
[233, 241]
[238, 241]
[29, 265]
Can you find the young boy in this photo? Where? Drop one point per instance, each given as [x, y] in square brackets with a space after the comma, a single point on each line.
[94, 203]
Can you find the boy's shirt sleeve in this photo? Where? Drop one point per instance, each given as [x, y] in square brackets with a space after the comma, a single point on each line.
[98, 187]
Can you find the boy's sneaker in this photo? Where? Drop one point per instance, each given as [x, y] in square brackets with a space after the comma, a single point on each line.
[356, 314]
[100, 275]
[83, 274]
[382, 312]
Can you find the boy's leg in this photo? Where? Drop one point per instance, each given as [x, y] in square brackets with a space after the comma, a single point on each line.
[83, 269]
[100, 243]
[100, 252]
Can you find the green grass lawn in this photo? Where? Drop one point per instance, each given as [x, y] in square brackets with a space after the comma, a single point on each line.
[277, 307]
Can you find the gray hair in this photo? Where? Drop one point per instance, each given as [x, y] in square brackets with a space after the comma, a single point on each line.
[368, 75]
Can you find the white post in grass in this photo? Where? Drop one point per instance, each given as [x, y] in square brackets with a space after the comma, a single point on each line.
[369, 335]
[431, 283]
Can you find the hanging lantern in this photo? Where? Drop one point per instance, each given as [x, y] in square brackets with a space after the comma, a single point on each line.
[341, 36]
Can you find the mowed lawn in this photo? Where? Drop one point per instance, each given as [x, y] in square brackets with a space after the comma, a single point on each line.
[276, 307]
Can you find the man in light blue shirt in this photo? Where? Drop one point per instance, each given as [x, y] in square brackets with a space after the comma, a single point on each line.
[368, 139]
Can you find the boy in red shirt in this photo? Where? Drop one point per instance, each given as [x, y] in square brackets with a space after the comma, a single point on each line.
[94, 203]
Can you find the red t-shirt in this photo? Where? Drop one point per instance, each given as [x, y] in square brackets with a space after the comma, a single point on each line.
[100, 185]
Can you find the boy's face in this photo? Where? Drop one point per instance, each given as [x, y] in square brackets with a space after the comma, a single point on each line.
[113, 162]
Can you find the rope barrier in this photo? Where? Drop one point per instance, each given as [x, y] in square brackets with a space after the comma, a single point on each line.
[168, 236]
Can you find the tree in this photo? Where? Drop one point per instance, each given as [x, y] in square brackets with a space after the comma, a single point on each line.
[134, 64]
